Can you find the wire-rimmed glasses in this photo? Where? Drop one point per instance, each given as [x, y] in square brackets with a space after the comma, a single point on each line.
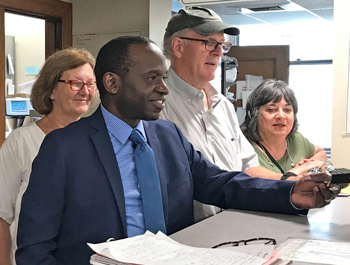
[211, 44]
[77, 85]
[257, 240]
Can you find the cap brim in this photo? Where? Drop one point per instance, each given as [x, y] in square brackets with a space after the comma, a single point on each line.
[215, 26]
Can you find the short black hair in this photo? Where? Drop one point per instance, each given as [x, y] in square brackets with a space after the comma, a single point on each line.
[114, 57]
[269, 90]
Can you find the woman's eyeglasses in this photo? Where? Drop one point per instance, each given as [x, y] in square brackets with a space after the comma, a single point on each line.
[77, 85]
[258, 240]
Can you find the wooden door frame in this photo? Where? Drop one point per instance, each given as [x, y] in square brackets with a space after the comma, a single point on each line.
[278, 55]
[58, 34]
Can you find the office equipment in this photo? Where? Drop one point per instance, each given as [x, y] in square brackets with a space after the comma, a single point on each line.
[18, 106]
[330, 223]
[228, 75]
[17, 109]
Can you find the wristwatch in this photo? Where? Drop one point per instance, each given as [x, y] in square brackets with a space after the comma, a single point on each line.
[287, 175]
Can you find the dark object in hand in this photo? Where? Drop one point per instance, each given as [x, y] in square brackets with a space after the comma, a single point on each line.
[340, 175]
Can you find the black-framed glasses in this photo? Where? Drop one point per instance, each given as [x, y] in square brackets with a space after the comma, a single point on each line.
[77, 85]
[252, 241]
[211, 45]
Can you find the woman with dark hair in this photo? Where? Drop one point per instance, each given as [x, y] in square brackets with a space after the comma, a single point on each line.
[271, 126]
[63, 91]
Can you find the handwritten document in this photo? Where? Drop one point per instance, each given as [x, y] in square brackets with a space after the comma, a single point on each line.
[316, 251]
[159, 249]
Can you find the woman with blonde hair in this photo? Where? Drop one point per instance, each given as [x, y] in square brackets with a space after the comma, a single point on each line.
[63, 91]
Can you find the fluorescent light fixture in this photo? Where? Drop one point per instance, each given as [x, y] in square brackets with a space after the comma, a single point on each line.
[211, 2]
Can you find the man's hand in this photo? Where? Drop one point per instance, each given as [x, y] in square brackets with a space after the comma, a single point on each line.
[313, 191]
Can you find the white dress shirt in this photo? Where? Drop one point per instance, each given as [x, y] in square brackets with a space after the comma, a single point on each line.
[215, 132]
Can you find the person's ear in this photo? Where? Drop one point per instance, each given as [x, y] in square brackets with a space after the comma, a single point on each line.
[112, 82]
[178, 47]
[52, 94]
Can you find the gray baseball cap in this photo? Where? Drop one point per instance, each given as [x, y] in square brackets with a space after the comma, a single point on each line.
[201, 20]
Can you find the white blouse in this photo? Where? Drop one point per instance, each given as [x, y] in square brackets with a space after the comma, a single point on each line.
[16, 156]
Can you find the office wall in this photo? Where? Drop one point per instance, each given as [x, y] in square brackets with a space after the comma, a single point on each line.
[340, 143]
[29, 36]
[110, 16]
[115, 17]
[160, 14]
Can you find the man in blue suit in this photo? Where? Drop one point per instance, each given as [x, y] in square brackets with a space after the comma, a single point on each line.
[84, 187]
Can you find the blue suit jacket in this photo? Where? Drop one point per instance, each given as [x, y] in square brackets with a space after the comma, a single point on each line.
[75, 193]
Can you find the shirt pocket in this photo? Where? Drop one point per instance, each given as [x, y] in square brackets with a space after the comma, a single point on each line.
[233, 145]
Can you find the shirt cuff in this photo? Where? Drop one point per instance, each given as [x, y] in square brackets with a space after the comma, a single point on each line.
[290, 199]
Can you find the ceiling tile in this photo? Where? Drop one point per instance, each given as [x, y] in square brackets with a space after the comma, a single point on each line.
[231, 12]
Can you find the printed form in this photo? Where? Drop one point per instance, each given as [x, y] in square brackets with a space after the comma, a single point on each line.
[160, 249]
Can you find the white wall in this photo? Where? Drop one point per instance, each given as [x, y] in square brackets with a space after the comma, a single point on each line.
[30, 43]
[340, 143]
[118, 17]
[160, 14]
[110, 16]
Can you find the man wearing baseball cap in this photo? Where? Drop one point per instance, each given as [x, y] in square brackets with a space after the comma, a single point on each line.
[194, 42]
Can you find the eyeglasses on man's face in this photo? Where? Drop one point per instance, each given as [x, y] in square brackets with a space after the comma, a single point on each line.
[211, 44]
[77, 85]
[252, 241]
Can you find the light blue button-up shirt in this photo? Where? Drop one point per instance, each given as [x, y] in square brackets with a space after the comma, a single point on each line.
[119, 133]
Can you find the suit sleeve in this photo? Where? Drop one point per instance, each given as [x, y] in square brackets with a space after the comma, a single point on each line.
[237, 190]
[42, 207]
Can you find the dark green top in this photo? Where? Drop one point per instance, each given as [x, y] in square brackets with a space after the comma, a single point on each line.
[299, 148]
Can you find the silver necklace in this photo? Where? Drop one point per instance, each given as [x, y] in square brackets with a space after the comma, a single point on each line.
[291, 161]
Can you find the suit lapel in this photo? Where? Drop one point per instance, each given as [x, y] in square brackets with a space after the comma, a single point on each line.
[154, 143]
[104, 148]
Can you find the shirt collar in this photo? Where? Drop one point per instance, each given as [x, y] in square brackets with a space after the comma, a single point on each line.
[120, 130]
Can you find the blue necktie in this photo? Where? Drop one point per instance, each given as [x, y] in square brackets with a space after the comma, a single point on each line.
[147, 173]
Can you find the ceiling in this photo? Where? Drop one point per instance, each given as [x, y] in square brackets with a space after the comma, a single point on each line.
[253, 12]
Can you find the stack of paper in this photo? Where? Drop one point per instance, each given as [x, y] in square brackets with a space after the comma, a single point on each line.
[160, 249]
[97, 259]
[316, 251]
